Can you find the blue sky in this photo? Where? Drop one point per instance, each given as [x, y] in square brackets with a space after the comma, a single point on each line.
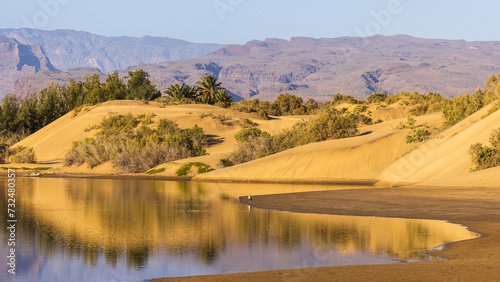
[239, 21]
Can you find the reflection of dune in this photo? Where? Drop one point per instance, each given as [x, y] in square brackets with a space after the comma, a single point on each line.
[139, 218]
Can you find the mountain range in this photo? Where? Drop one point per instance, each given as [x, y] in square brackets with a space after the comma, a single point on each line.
[312, 68]
[17, 60]
[320, 68]
[71, 49]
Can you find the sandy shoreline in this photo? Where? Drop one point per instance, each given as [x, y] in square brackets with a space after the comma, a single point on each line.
[21, 173]
[471, 260]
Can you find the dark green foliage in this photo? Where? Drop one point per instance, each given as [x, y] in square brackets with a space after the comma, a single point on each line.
[463, 106]
[185, 168]
[134, 148]
[226, 163]
[248, 132]
[208, 87]
[31, 113]
[339, 98]
[208, 91]
[140, 87]
[179, 92]
[418, 135]
[377, 98]
[484, 157]
[284, 105]
[155, 171]
[223, 99]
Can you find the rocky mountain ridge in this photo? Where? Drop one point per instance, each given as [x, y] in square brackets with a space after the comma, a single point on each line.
[18, 60]
[70, 49]
[320, 68]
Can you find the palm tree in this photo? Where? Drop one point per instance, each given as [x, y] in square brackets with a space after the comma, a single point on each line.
[223, 98]
[208, 87]
[177, 92]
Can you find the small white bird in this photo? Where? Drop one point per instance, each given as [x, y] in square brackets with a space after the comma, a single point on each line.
[249, 197]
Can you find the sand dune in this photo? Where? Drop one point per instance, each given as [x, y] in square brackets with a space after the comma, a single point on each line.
[53, 141]
[444, 156]
[379, 154]
[484, 178]
[358, 158]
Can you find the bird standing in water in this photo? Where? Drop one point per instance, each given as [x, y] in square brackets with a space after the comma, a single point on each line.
[249, 197]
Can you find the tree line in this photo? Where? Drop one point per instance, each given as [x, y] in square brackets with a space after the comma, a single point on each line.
[29, 114]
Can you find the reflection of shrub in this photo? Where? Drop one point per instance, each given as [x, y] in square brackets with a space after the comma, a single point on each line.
[484, 157]
[419, 135]
[22, 154]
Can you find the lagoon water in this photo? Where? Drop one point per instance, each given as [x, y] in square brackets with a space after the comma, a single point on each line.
[129, 230]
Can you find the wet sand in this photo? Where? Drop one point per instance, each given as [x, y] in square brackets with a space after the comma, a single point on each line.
[471, 260]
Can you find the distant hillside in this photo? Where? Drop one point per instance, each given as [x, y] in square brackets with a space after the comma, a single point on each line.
[70, 49]
[17, 60]
[319, 68]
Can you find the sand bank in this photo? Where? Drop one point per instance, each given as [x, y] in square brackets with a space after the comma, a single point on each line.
[472, 260]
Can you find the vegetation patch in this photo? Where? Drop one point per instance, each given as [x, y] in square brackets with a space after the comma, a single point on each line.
[185, 168]
[35, 111]
[134, 148]
[484, 157]
[418, 135]
[155, 171]
[244, 122]
[254, 143]
[225, 163]
[22, 154]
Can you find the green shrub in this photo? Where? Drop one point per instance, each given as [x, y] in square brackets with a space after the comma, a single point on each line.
[22, 154]
[155, 171]
[226, 163]
[463, 106]
[484, 157]
[419, 135]
[248, 132]
[185, 168]
[377, 98]
[254, 143]
[136, 149]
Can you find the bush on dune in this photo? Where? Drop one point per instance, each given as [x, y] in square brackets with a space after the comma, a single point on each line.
[134, 148]
[484, 157]
[22, 154]
[254, 143]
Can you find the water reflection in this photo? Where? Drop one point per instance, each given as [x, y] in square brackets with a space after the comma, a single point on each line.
[90, 229]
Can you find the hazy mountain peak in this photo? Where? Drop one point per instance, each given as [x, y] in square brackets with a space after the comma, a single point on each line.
[70, 48]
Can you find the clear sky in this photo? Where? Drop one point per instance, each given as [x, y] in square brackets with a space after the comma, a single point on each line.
[239, 21]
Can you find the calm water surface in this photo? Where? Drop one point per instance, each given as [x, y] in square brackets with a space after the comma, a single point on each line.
[129, 230]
